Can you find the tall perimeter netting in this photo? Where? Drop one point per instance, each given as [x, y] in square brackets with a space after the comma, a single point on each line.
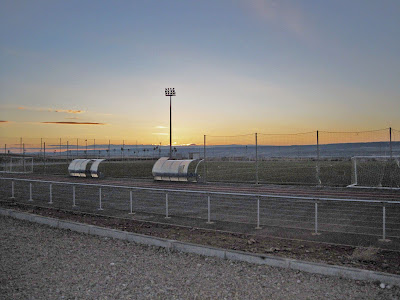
[288, 158]
[230, 158]
[357, 158]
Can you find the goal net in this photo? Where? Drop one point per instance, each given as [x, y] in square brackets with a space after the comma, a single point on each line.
[376, 171]
[16, 164]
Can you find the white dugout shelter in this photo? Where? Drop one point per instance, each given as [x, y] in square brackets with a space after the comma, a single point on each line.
[85, 168]
[166, 169]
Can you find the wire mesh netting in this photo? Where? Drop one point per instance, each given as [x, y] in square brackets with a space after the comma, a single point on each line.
[287, 158]
[313, 158]
[231, 158]
[16, 164]
[339, 221]
[337, 149]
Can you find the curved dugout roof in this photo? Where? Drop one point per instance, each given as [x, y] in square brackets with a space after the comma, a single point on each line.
[172, 170]
[79, 168]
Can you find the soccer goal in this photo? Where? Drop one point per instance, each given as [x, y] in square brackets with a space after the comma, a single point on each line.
[16, 164]
[375, 171]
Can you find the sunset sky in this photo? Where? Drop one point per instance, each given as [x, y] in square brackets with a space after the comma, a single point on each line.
[98, 69]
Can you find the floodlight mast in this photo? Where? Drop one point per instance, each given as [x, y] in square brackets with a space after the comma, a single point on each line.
[170, 92]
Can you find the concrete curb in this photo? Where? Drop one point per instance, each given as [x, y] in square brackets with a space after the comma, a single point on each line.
[310, 267]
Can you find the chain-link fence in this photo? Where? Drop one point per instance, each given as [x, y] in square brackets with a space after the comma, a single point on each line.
[342, 220]
[312, 158]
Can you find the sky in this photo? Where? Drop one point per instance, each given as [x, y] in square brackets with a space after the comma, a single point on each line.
[98, 69]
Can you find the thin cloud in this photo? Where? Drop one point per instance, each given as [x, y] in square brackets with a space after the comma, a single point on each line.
[282, 14]
[159, 133]
[72, 118]
[161, 127]
[1, 121]
[74, 123]
[68, 111]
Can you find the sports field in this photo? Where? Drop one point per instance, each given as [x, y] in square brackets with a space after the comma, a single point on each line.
[328, 172]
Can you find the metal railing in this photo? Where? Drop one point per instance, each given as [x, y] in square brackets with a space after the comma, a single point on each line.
[316, 214]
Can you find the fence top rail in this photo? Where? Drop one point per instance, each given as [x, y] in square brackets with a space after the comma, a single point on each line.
[376, 156]
[299, 198]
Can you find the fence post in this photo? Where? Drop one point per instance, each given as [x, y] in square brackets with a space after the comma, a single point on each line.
[23, 157]
[100, 208]
[384, 239]
[390, 142]
[30, 192]
[166, 206]
[209, 210]
[131, 203]
[256, 160]
[258, 213]
[51, 194]
[355, 170]
[44, 156]
[205, 161]
[73, 196]
[5, 158]
[316, 219]
[12, 190]
[318, 161]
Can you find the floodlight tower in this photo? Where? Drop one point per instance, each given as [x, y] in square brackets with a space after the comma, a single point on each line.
[170, 92]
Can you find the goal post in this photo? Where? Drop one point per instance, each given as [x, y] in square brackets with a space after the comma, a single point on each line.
[375, 171]
[16, 164]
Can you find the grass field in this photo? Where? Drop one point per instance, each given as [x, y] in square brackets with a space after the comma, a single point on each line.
[279, 171]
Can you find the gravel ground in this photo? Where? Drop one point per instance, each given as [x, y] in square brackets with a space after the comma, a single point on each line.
[39, 262]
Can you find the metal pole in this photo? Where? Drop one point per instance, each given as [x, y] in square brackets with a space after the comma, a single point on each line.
[316, 219]
[131, 203]
[73, 196]
[384, 239]
[258, 213]
[30, 192]
[12, 190]
[384, 222]
[100, 208]
[44, 156]
[205, 161]
[256, 160]
[170, 127]
[166, 207]
[390, 142]
[318, 157]
[355, 170]
[209, 210]
[23, 157]
[5, 158]
[51, 194]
